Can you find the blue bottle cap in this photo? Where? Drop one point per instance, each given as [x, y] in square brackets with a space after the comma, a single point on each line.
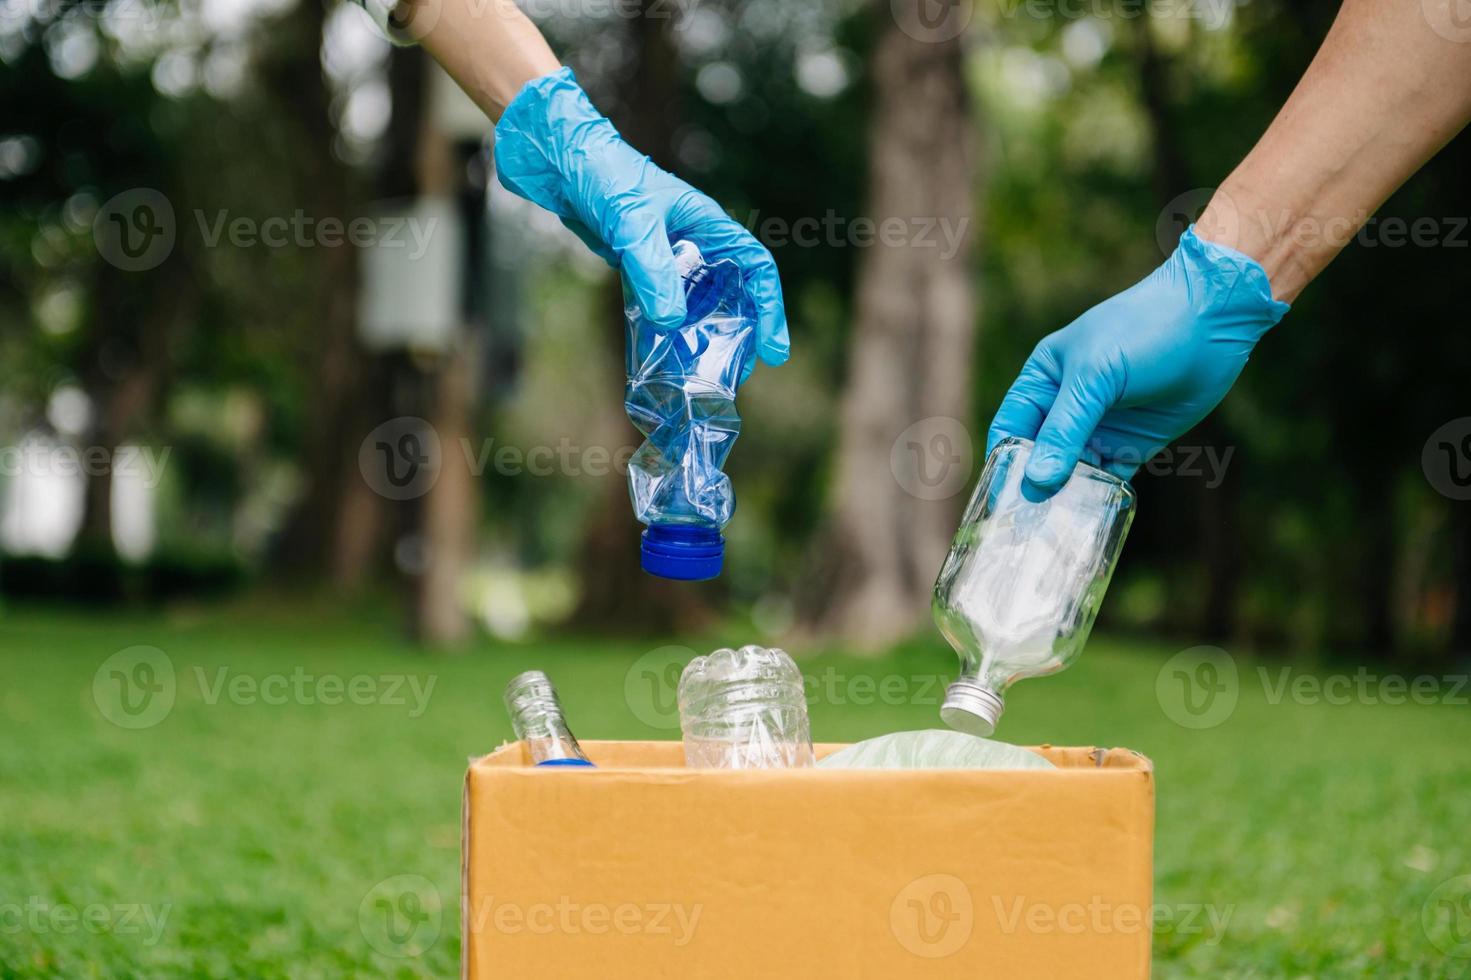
[688, 552]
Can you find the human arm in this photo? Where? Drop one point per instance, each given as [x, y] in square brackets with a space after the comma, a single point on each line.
[489, 47]
[1384, 92]
[555, 149]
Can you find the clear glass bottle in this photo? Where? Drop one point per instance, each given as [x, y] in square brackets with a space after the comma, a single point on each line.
[681, 397]
[744, 709]
[536, 718]
[1024, 578]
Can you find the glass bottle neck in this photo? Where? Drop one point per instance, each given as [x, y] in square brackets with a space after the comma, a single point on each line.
[536, 718]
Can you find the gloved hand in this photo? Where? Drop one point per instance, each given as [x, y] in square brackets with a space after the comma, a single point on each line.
[554, 149]
[1136, 371]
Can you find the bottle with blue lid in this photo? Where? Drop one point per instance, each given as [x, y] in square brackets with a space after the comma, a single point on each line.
[681, 397]
[537, 720]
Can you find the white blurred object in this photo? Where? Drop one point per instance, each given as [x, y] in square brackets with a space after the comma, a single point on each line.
[43, 500]
[412, 275]
[503, 608]
[134, 494]
[822, 74]
[45, 485]
[69, 410]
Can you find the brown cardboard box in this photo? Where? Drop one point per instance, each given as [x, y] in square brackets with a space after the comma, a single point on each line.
[644, 869]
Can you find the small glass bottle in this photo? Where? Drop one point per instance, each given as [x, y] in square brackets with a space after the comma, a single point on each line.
[536, 718]
[1024, 578]
[744, 709]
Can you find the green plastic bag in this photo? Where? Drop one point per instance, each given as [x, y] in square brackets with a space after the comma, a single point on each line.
[934, 749]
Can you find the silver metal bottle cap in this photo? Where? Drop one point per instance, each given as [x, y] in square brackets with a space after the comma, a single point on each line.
[971, 708]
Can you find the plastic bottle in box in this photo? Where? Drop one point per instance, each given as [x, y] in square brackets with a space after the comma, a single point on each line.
[744, 709]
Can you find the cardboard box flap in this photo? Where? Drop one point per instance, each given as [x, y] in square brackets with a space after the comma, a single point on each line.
[670, 755]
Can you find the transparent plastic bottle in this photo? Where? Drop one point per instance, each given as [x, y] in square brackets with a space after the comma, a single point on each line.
[681, 397]
[536, 718]
[744, 709]
[1023, 581]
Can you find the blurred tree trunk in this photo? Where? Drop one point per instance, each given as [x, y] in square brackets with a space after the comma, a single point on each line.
[911, 348]
[102, 384]
[291, 75]
[448, 515]
[1217, 514]
[450, 512]
[126, 373]
[1171, 175]
[616, 593]
[1460, 637]
[365, 524]
[1215, 509]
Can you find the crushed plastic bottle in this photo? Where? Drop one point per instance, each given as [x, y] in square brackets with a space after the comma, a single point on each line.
[681, 397]
[744, 709]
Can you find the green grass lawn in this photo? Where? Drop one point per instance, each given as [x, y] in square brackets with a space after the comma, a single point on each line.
[238, 837]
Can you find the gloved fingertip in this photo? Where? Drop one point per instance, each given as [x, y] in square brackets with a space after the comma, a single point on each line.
[1034, 493]
[774, 353]
[1047, 471]
[1047, 468]
[773, 339]
[665, 311]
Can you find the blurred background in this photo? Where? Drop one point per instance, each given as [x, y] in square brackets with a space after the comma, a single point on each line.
[287, 379]
[240, 236]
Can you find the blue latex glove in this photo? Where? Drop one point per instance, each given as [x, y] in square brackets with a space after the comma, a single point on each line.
[1125, 379]
[554, 149]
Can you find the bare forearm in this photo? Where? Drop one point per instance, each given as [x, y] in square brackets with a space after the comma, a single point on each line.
[488, 47]
[1383, 94]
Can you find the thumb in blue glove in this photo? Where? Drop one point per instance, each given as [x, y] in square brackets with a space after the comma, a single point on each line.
[554, 149]
[1138, 370]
